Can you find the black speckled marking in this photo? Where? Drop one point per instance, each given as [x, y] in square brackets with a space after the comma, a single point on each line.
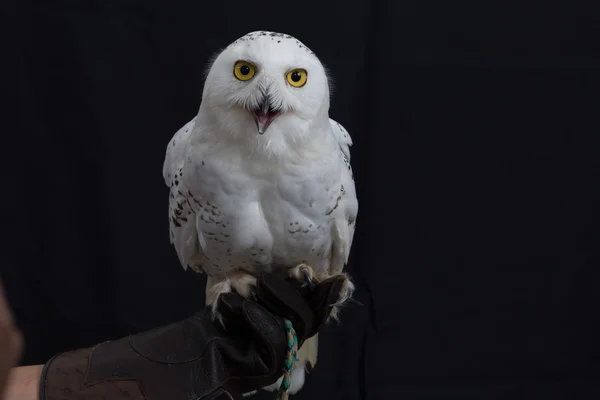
[273, 36]
[337, 201]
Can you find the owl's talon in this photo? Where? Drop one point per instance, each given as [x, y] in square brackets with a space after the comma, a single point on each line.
[303, 273]
[242, 283]
[308, 278]
[252, 293]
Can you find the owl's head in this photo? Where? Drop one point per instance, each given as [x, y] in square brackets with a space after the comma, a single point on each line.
[267, 84]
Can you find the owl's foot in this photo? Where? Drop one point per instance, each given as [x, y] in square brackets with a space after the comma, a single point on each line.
[303, 273]
[343, 297]
[241, 282]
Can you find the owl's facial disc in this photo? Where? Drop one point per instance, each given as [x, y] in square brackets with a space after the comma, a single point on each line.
[264, 115]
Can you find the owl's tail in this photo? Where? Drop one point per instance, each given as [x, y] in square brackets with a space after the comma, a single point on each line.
[308, 352]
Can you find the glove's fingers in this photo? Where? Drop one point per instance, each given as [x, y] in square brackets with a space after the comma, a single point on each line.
[269, 332]
[230, 309]
[279, 296]
[303, 288]
[324, 296]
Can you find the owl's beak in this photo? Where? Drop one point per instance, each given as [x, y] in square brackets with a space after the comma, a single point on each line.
[264, 115]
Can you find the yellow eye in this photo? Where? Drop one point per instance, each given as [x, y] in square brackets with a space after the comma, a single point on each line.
[297, 77]
[244, 71]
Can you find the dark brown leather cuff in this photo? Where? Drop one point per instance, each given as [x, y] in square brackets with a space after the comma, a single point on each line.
[66, 375]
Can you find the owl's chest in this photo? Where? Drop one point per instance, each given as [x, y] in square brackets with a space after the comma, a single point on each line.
[260, 221]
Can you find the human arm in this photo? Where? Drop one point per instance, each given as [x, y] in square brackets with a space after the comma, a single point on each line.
[23, 383]
[10, 341]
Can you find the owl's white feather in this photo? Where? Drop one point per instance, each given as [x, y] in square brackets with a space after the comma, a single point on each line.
[240, 200]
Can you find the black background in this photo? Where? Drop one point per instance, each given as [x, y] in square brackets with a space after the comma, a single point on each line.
[475, 158]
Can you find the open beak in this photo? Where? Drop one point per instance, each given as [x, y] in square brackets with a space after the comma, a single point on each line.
[264, 115]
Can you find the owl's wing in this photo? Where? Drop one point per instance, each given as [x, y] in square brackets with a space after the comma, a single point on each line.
[182, 217]
[342, 136]
[346, 204]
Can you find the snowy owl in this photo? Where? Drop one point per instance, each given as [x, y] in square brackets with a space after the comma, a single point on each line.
[260, 179]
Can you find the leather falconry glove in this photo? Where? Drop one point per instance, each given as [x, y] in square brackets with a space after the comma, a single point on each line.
[196, 358]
